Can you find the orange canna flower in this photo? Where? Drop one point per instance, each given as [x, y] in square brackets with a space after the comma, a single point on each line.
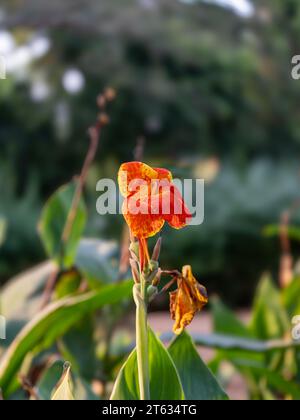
[151, 199]
[189, 298]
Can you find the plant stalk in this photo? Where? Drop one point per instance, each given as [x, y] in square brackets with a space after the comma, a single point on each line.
[142, 339]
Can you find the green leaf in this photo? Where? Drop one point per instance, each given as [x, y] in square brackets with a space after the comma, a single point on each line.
[164, 379]
[21, 298]
[68, 284]
[51, 376]
[197, 380]
[269, 319]
[53, 221]
[52, 323]
[63, 390]
[78, 346]
[94, 260]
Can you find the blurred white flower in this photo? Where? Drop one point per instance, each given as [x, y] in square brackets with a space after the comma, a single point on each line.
[40, 90]
[39, 47]
[18, 60]
[7, 43]
[73, 81]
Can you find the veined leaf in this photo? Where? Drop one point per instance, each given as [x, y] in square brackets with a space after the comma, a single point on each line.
[79, 347]
[52, 323]
[81, 390]
[197, 380]
[164, 379]
[53, 221]
[21, 299]
[63, 391]
[94, 261]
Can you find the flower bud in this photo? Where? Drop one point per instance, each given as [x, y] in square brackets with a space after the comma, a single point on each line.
[101, 101]
[103, 118]
[153, 270]
[134, 270]
[153, 265]
[151, 292]
[110, 94]
[134, 250]
[157, 249]
[157, 278]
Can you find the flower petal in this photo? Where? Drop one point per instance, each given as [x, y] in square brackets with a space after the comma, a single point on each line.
[163, 174]
[141, 225]
[189, 298]
[131, 171]
[179, 215]
[159, 199]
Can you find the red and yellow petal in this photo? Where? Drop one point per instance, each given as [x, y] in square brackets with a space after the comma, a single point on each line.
[131, 171]
[158, 202]
[163, 174]
[179, 215]
[142, 225]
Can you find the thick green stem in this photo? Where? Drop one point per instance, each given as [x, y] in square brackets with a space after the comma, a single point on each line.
[142, 339]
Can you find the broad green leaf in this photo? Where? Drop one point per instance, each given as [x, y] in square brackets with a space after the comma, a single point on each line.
[52, 323]
[68, 284]
[64, 388]
[53, 221]
[21, 299]
[94, 260]
[51, 376]
[197, 380]
[78, 346]
[164, 380]
[21, 295]
[269, 319]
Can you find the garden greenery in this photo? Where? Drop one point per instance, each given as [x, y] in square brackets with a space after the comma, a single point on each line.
[79, 325]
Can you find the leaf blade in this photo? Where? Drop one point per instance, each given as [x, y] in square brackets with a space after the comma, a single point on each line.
[197, 380]
[52, 323]
[162, 373]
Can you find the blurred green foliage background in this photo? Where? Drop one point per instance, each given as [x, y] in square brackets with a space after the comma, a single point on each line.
[208, 86]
